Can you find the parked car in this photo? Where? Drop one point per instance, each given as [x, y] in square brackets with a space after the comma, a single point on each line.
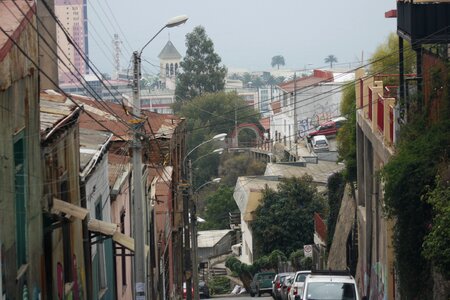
[286, 286]
[297, 284]
[329, 128]
[339, 285]
[262, 283]
[185, 291]
[320, 143]
[277, 283]
[203, 289]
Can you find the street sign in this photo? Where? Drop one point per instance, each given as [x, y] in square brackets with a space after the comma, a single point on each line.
[307, 249]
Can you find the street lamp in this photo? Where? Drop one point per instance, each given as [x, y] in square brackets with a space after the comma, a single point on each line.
[188, 204]
[194, 240]
[140, 288]
[217, 137]
[218, 151]
[215, 180]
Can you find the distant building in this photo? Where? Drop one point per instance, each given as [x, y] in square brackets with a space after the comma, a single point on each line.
[169, 61]
[73, 16]
[308, 101]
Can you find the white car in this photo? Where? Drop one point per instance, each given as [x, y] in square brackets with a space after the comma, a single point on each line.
[297, 284]
[320, 143]
[336, 285]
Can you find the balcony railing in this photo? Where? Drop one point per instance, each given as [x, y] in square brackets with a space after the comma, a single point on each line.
[377, 106]
[380, 113]
[424, 22]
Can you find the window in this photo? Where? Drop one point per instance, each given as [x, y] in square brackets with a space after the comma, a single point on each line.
[21, 214]
[100, 248]
[123, 257]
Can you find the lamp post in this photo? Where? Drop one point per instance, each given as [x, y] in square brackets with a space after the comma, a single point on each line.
[188, 205]
[194, 239]
[218, 151]
[140, 288]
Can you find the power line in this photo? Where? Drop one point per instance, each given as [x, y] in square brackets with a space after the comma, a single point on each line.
[52, 81]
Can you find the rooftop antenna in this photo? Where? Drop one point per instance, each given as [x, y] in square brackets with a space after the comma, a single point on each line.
[116, 43]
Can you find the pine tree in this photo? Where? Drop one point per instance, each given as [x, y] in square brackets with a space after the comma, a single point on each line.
[201, 72]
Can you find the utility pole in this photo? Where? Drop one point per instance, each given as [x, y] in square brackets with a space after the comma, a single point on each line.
[236, 141]
[193, 235]
[140, 292]
[187, 229]
[295, 107]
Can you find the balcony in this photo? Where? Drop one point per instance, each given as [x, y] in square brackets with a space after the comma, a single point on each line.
[375, 104]
[424, 21]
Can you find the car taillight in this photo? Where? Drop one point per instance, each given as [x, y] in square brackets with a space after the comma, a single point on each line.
[289, 289]
[278, 285]
[295, 291]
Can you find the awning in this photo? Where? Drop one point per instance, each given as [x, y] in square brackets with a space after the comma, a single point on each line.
[69, 209]
[111, 229]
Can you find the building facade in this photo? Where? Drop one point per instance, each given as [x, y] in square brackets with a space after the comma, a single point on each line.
[73, 16]
[21, 232]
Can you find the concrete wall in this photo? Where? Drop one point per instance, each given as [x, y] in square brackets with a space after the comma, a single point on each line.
[375, 274]
[62, 164]
[97, 192]
[314, 105]
[119, 205]
[19, 119]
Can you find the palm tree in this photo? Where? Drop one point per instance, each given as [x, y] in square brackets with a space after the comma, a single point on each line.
[331, 59]
[277, 60]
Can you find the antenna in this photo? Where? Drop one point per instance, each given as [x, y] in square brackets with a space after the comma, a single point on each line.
[116, 42]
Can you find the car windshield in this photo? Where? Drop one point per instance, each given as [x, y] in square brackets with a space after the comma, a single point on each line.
[330, 291]
[321, 142]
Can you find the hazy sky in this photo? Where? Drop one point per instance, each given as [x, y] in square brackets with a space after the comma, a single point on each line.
[246, 33]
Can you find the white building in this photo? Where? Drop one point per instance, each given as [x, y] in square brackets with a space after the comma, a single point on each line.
[248, 194]
[310, 100]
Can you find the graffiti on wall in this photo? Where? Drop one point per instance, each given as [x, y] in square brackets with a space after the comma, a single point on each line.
[378, 282]
[308, 124]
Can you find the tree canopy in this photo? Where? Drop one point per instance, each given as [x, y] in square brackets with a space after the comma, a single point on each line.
[234, 166]
[385, 59]
[277, 60]
[330, 59]
[218, 205]
[286, 213]
[206, 116]
[346, 138]
[201, 72]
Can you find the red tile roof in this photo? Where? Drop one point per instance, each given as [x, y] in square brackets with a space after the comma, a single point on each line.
[302, 82]
[13, 22]
[276, 106]
[265, 123]
[117, 118]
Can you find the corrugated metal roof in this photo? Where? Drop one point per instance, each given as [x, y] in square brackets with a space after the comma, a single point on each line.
[93, 144]
[55, 111]
[169, 52]
[108, 114]
[209, 238]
